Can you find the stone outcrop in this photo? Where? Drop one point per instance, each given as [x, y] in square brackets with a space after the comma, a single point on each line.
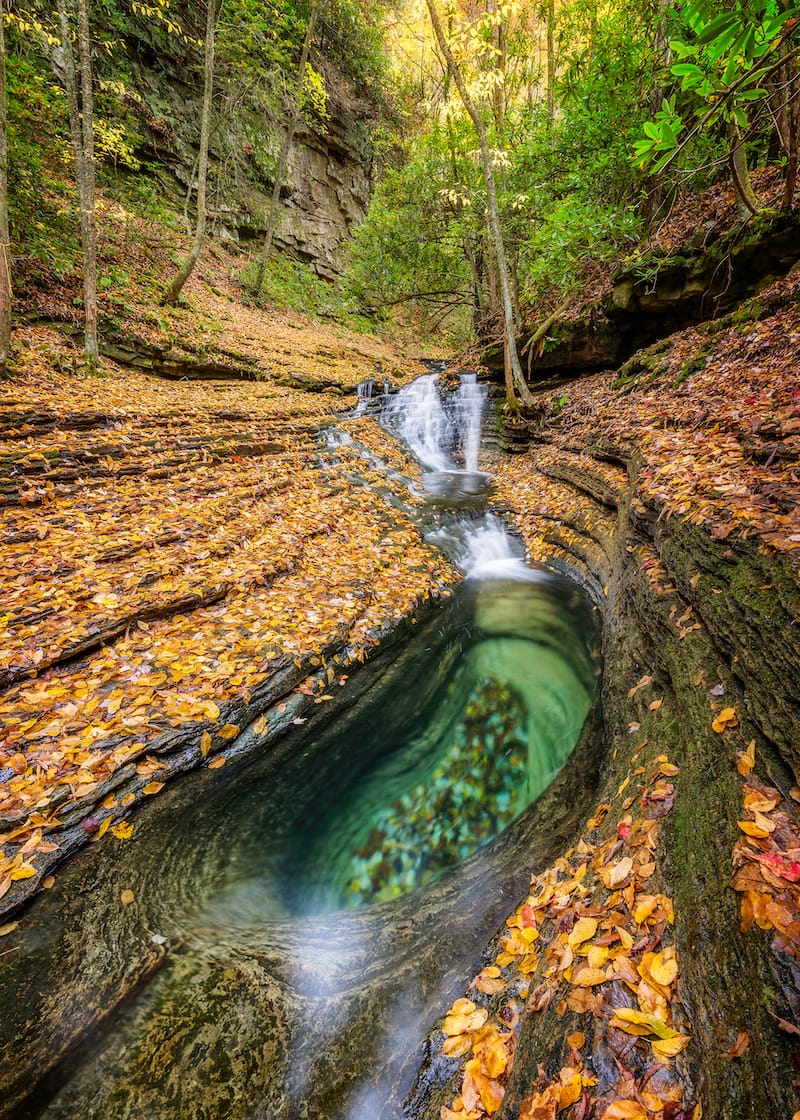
[657, 293]
[327, 183]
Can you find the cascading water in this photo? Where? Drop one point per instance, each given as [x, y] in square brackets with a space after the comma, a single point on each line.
[443, 432]
[284, 991]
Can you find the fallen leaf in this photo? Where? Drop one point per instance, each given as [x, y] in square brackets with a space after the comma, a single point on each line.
[127, 897]
[215, 763]
[151, 788]
[583, 930]
[739, 1046]
[725, 719]
[625, 1110]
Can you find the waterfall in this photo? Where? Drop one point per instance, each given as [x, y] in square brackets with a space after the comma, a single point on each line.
[469, 412]
[443, 431]
[417, 415]
[484, 549]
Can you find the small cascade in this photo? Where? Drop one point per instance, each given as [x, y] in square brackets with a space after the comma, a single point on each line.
[484, 549]
[366, 396]
[470, 400]
[443, 432]
[417, 415]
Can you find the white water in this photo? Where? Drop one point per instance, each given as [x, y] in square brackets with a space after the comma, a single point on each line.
[469, 412]
[484, 549]
[436, 430]
[417, 414]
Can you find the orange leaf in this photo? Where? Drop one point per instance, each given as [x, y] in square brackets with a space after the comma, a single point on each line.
[229, 731]
[625, 1110]
[127, 897]
[739, 1046]
[205, 744]
[152, 787]
[217, 762]
[750, 828]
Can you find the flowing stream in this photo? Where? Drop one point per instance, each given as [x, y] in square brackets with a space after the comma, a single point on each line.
[328, 899]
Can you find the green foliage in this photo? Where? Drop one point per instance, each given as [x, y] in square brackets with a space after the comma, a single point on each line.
[294, 285]
[567, 192]
[722, 57]
[421, 227]
[43, 225]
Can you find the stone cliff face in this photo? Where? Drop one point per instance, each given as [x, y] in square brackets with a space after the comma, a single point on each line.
[326, 187]
[327, 192]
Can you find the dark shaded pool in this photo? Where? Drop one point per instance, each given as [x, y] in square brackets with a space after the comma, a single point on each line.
[456, 736]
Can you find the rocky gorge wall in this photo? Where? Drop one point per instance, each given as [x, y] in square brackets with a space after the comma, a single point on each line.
[326, 186]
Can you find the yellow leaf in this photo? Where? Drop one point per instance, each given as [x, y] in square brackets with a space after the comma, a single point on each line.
[465, 1021]
[205, 744]
[457, 1045]
[260, 726]
[583, 930]
[570, 1092]
[655, 705]
[625, 1110]
[49, 882]
[104, 826]
[576, 1040]
[152, 787]
[746, 760]
[750, 828]
[127, 897]
[217, 762]
[663, 969]
[24, 871]
[123, 830]
[211, 710]
[588, 977]
[616, 873]
[726, 718]
[8, 928]
[668, 1047]
[641, 1022]
[229, 731]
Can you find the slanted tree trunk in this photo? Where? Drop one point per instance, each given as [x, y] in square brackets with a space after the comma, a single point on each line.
[746, 198]
[512, 363]
[286, 147]
[81, 119]
[174, 290]
[5, 248]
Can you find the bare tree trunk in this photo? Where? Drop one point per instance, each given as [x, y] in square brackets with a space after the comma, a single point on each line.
[88, 201]
[787, 119]
[5, 246]
[286, 147]
[512, 358]
[174, 290]
[737, 160]
[551, 61]
[81, 116]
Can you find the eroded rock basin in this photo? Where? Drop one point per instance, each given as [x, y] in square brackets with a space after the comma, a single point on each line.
[295, 922]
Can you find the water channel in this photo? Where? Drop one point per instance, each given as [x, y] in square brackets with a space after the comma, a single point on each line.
[332, 896]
